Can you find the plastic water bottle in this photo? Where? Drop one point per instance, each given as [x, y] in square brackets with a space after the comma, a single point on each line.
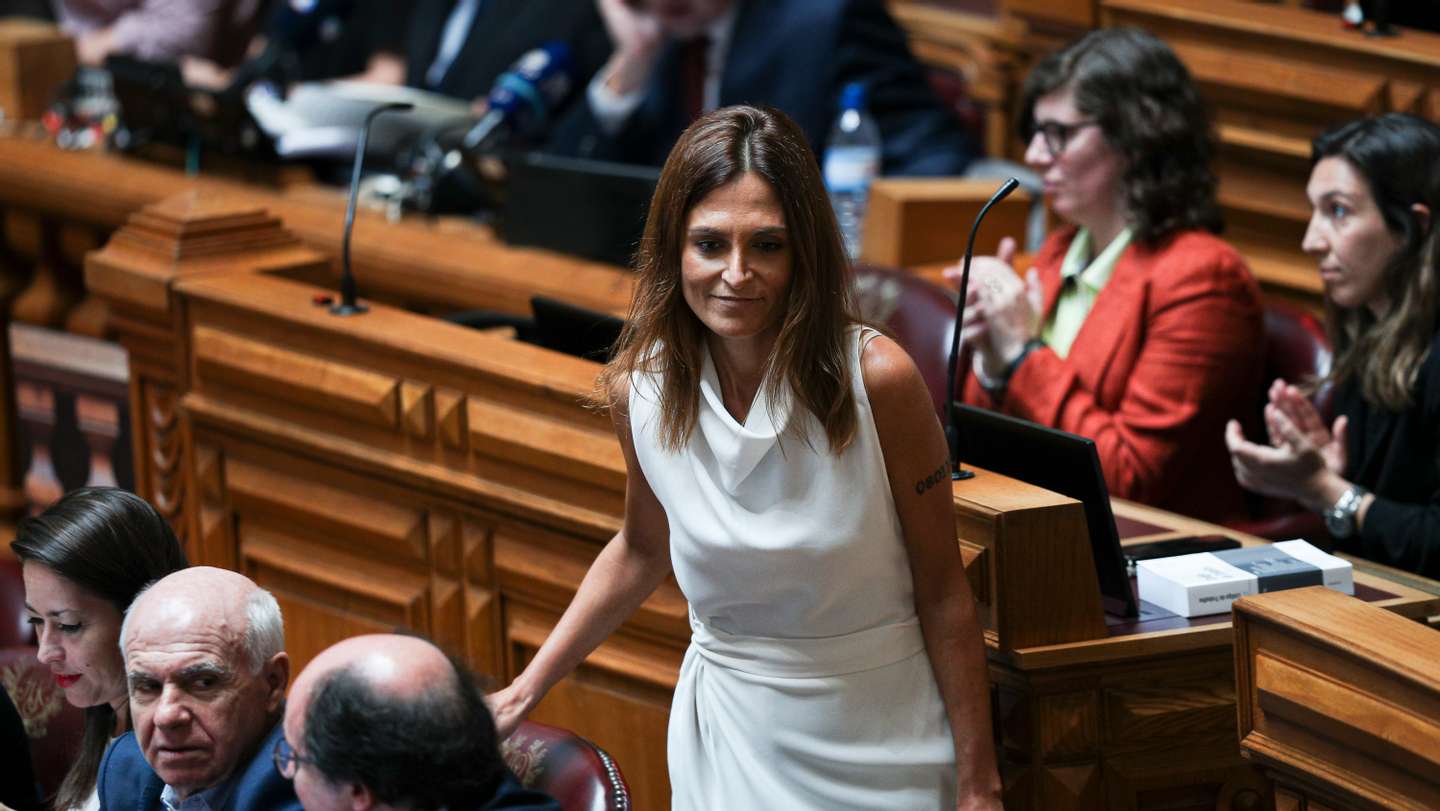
[852, 160]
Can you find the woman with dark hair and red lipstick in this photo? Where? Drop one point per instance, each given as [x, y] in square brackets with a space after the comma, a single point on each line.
[84, 559]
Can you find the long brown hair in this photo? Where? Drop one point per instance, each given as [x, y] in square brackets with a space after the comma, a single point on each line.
[111, 543]
[1399, 157]
[662, 336]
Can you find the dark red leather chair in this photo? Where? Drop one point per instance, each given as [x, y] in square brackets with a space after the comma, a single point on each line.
[54, 726]
[577, 773]
[15, 630]
[1296, 350]
[918, 314]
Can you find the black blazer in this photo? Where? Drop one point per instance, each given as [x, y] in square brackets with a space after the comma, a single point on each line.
[795, 55]
[502, 32]
[1397, 457]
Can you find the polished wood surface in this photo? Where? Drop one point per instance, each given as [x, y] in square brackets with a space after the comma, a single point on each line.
[911, 222]
[35, 60]
[393, 470]
[1339, 701]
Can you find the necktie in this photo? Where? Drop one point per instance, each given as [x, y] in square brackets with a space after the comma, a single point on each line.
[692, 71]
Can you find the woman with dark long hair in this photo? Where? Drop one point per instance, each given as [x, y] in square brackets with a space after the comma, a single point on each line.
[84, 559]
[1374, 473]
[1137, 325]
[786, 464]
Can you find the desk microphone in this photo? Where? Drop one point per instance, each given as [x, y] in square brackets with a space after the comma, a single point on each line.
[348, 305]
[952, 428]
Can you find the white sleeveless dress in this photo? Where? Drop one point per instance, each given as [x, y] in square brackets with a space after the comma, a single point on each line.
[806, 684]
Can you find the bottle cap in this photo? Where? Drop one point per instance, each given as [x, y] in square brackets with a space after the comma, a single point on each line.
[853, 96]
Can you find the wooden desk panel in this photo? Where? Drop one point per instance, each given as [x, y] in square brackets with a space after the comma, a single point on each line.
[394, 470]
[1339, 701]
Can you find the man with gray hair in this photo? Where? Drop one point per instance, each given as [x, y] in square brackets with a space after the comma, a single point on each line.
[207, 671]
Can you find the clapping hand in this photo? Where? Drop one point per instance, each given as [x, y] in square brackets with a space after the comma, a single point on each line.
[1002, 311]
[1302, 452]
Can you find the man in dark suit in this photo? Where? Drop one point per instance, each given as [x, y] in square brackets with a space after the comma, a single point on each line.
[386, 722]
[675, 59]
[206, 666]
[459, 47]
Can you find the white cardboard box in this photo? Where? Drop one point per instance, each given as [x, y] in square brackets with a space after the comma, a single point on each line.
[1208, 582]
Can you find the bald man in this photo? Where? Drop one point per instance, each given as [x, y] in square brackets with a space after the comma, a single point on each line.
[207, 671]
[390, 722]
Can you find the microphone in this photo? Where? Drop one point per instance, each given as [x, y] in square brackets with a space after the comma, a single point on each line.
[519, 104]
[952, 429]
[348, 305]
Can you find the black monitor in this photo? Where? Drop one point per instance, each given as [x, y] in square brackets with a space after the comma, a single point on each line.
[586, 208]
[156, 106]
[1055, 460]
[575, 330]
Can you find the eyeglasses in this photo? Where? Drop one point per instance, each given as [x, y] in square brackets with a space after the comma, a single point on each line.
[1057, 134]
[287, 762]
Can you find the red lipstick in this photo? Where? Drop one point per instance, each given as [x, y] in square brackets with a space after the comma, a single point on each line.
[66, 680]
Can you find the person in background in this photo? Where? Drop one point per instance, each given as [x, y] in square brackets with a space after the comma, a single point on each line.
[676, 59]
[386, 721]
[781, 459]
[460, 47]
[1137, 326]
[160, 30]
[205, 656]
[1374, 473]
[84, 559]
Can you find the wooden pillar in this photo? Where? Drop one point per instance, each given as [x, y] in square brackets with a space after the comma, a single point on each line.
[193, 233]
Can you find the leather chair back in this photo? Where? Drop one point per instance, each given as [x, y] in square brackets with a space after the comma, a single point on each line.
[1296, 350]
[15, 630]
[577, 773]
[918, 314]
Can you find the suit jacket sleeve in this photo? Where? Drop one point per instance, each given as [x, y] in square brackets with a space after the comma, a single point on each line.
[1201, 325]
[1405, 533]
[918, 135]
[513, 796]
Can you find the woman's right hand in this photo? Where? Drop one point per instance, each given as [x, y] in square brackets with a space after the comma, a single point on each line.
[1301, 413]
[510, 706]
[1002, 309]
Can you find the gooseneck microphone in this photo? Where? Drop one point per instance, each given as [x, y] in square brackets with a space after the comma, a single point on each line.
[952, 429]
[348, 305]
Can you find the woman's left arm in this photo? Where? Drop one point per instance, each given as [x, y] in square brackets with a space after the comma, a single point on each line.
[918, 467]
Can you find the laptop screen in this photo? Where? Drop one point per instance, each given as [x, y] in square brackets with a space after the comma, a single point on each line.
[1055, 460]
[586, 208]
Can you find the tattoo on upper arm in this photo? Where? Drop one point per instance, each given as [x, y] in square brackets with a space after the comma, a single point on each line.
[941, 474]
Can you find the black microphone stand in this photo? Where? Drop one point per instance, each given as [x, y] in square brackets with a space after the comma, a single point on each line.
[952, 429]
[348, 305]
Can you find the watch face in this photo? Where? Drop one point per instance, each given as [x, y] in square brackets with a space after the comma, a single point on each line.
[1336, 525]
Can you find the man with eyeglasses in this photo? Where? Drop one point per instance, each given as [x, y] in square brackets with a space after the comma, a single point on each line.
[206, 667]
[387, 722]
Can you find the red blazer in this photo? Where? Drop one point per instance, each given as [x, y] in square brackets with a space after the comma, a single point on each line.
[1171, 350]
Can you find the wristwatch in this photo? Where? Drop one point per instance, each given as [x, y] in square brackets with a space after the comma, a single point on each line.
[1340, 518]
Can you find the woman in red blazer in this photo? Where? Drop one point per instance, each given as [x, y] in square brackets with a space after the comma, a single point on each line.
[1137, 326]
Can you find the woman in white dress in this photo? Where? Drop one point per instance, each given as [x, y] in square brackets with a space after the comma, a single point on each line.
[83, 560]
[786, 464]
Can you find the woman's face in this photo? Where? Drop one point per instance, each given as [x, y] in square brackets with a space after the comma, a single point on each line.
[735, 265]
[79, 634]
[1348, 237]
[1081, 171]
